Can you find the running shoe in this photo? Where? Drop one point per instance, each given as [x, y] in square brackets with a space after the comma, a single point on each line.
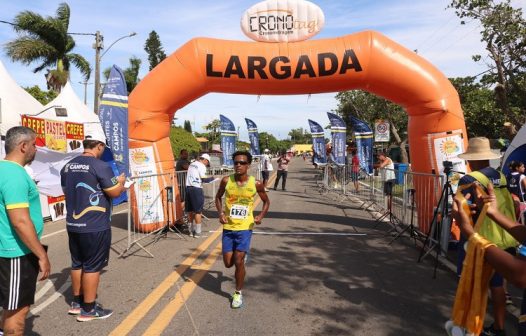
[197, 234]
[74, 308]
[509, 301]
[490, 331]
[237, 300]
[97, 313]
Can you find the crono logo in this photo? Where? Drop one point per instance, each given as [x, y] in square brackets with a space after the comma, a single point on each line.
[282, 21]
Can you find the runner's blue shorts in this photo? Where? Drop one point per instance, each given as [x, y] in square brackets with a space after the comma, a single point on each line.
[236, 240]
[90, 251]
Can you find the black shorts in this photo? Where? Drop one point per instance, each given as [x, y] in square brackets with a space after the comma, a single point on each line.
[18, 281]
[388, 187]
[90, 251]
[195, 200]
[264, 175]
[354, 176]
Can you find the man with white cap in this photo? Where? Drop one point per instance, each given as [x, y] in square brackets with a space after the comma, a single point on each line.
[195, 198]
[89, 185]
[478, 155]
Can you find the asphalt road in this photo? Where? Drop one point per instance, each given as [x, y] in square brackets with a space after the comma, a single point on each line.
[318, 266]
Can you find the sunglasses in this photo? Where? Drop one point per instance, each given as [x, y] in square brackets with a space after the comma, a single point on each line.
[240, 163]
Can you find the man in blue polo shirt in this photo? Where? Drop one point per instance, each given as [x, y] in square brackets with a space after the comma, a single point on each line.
[21, 225]
[89, 185]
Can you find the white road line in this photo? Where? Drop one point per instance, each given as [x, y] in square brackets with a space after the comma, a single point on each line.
[308, 233]
[64, 230]
[43, 290]
[51, 299]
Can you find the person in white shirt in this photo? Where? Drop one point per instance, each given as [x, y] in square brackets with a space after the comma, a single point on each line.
[266, 163]
[195, 198]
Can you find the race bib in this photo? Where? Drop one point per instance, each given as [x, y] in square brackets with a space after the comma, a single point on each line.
[238, 211]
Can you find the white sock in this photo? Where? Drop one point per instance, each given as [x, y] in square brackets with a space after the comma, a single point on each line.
[197, 228]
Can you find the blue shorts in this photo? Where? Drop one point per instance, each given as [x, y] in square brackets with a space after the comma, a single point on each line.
[236, 240]
[90, 251]
[195, 200]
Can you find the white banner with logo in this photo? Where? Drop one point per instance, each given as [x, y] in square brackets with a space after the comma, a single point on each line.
[147, 192]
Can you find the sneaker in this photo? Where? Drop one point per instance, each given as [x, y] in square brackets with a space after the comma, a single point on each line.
[74, 308]
[98, 313]
[509, 301]
[275, 189]
[237, 300]
[267, 189]
[490, 331]
[197, 235]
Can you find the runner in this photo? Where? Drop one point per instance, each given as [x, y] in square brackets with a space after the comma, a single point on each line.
[237, 217]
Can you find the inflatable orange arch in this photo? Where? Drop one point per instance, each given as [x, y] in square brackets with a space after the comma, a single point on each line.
[367, 60]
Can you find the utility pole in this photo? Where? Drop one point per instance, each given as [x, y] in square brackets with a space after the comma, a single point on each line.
[98, 47]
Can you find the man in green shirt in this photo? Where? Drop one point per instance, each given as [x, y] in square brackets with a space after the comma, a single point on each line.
[22, 255]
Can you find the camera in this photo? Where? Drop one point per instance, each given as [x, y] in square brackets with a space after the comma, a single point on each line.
[448, 166]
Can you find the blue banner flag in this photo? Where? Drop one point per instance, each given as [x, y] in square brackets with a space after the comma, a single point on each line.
[113, 117]
[318, 143]
[339, 138]
[228, 140]
[364, 138]
[253, 135]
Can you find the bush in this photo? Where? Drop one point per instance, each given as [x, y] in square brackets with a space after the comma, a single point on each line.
[182, 139]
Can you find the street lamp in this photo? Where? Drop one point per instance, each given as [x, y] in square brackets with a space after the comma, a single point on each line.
[98, 46]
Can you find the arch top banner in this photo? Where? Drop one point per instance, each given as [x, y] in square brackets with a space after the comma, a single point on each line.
[282, 21]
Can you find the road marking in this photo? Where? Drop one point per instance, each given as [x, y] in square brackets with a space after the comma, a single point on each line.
[43, 290]
[170, 310]
[144, 307]
[147, 304]
[51, 299]
[306, 233]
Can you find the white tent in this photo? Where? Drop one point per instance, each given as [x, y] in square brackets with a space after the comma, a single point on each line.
[68, 107]
[14, 101]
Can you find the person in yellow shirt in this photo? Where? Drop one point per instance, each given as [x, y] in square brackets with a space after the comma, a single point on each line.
[237, 217]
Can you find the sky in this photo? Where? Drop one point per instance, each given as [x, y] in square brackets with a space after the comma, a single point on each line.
[426, 26]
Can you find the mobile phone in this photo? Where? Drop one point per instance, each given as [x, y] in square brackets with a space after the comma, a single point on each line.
[128, 183]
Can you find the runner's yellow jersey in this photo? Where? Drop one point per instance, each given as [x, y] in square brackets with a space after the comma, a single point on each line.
[239, 204]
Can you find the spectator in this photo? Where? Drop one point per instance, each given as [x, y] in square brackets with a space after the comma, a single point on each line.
[195, 198]
[478, 155]
[267, 168]
[517, 180]
[387, 173]
[89, 185]
[283, 167]
[22, 255]
[181, 167]
[355, 168]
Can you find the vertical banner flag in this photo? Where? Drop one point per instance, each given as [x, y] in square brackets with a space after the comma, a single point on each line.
[339, 137]
[228, 140]
[318, 143]
[363, 136]
[114, 118]
[253, 135]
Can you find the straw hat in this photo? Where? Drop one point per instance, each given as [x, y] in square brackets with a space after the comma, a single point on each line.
[479, 149]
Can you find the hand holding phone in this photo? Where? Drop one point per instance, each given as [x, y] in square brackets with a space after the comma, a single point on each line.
[128, 183]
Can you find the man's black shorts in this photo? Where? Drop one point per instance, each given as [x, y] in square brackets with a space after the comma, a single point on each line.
[388, 187]
[264, 175]
[195, 200]
[90, 251]
[18, 280]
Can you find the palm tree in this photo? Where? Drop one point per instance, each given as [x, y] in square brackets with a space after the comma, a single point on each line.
[46, 40]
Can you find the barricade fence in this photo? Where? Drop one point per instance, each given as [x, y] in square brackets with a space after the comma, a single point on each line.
[157, 199]
[402, 198]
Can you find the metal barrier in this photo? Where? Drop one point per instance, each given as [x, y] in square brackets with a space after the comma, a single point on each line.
[393, 199]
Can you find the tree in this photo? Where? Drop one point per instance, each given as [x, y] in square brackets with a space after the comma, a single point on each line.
[300, 136]
[213, 129]
[46, 40]
[188, 126]
[478, 104]
[154, 49]
[43, 97]
[368, 107]
[504, 34]
[131, 73]
[181, 139]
